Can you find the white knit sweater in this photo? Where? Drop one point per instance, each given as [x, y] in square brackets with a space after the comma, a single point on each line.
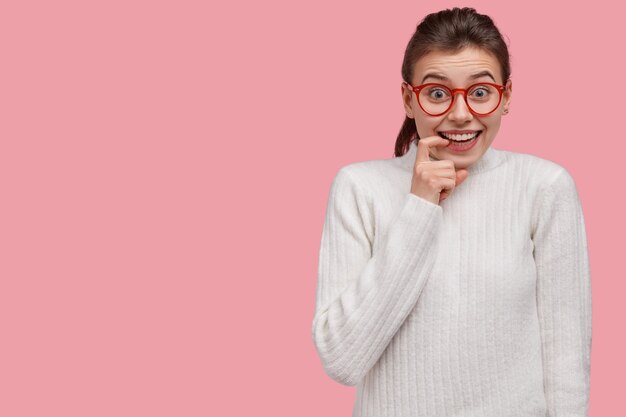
[479, 306]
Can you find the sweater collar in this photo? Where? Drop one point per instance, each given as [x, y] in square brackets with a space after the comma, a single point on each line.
[490, 159]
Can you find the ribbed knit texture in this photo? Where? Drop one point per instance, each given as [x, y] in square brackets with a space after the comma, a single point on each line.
[478, 306]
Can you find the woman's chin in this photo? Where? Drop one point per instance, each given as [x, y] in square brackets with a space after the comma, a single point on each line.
[461, 161]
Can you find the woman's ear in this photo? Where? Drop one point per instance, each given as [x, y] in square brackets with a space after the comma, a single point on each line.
[407, 99]
[508, 91]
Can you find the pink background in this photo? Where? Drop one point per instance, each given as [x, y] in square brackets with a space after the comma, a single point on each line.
[164, 172]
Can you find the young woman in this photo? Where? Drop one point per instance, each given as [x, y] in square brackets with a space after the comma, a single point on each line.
[454, 278]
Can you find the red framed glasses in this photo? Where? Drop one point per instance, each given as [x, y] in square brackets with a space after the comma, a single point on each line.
[436, 99]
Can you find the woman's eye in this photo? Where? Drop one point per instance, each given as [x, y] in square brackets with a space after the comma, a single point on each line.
[438, 93]
[480, 92]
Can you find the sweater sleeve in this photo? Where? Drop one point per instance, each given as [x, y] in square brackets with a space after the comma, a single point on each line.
[364, 296]
[563, 297]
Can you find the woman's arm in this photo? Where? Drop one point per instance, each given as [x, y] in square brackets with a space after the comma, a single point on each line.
[563, 297]
[363, 297]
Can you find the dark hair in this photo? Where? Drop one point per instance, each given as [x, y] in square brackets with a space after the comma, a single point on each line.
[449, 30]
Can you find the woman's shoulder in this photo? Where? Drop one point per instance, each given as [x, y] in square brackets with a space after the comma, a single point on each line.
[539, 173]
[375, 175]
[534, 166]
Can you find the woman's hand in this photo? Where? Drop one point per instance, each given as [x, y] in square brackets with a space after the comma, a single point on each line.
[434, 180]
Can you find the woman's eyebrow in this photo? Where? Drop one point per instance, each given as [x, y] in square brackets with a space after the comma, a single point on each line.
[471, 77]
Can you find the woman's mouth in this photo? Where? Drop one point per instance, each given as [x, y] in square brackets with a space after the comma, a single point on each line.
[461, 143]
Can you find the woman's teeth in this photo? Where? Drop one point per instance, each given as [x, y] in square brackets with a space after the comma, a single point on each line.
[460, 138]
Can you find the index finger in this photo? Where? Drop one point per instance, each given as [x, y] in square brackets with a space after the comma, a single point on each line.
[424, 145]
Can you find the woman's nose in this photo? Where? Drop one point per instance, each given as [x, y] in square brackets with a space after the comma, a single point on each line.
[460, 111]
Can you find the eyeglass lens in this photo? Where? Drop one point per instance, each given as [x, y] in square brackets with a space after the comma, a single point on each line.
[481, 98]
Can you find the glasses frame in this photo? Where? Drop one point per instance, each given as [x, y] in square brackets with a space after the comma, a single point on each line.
[453, 93]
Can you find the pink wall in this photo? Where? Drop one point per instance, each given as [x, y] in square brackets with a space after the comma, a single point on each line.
[164, 169]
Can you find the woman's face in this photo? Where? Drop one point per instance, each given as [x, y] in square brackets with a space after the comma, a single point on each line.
[455, 71]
